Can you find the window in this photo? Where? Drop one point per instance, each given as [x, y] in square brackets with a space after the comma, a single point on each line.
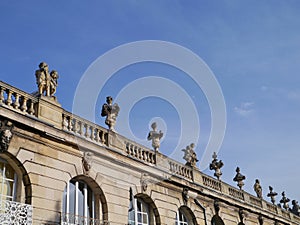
[139, 213]
[181, 219]
[8, 181]
[80, 205]
[184, 216]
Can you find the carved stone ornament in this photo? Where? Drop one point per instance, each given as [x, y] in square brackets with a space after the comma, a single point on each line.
[46, 82]
[190, 155]
[239, 178]
[216, 219]
[155, 137]
[272, 195]
[5, 135]
[242, 216]
[260, 220]
[284, 200]
[296, 208]
[145, 180]
[257, 188]
[185, 195]
[87, 161]
[216, 165]
[111, 111]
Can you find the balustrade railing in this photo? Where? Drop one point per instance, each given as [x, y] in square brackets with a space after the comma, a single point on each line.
[211, 183]
[17, 100]
[84, 128]
[236, 193]
[255, 201]
[15, 213]
[179, 169]
[71, 219]
[139, 152]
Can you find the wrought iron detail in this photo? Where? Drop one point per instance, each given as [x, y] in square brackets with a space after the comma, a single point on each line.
[71, 219]
[15, 213]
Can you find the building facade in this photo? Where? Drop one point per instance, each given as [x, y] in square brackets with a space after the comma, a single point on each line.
[58, 168]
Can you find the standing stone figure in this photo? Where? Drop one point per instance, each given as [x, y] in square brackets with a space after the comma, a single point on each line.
[111, 112]
[216, 165]
[47, 82]
[190, 155]
[155, 136]
[257, 188]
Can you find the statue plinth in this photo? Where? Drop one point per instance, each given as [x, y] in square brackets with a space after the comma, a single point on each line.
[50, 111]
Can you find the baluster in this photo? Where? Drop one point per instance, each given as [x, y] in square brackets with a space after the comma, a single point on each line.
[86, 134]
[65, 122]
[75, 126]
[80, 124]
[31, 109]
[24, 104]
[16, 104]
[97, 135]
[1, 95]
[92, 133]
[70, 126]
[9, 100]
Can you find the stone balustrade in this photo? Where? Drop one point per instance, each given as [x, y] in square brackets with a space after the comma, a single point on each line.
[211, 183]
[139, 152]
[84, 128]
[180, 169]
[233, 192]
[15, 213]
[17, 100]
[26, 104]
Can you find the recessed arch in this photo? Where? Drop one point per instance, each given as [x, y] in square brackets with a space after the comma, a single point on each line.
[188, 215]
[24, 188]
[153, 210]
[85, 190]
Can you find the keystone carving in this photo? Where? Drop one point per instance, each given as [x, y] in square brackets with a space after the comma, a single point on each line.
[5, 135]
[185, 195]
[87, 161]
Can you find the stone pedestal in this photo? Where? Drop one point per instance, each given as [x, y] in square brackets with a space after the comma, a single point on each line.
[49, 110]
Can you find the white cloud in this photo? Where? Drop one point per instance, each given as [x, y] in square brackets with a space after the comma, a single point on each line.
[245, 108]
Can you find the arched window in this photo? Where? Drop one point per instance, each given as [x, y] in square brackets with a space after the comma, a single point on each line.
[141, 212]
[184, 216]
[80, 204]
[8, 182]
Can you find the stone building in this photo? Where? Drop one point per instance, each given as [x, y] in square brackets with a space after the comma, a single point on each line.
[58, 168]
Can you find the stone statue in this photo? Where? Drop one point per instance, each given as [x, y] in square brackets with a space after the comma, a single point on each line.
[5, 135]
[239, 178]
[272, 195]
[111, 112]
[284, 200]
[155, 137]
[190, 155]
[47, 82]
[216, 165]
[258, 188]
[296, 208]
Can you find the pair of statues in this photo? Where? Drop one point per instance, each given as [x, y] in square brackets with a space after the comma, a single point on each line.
[47, 82]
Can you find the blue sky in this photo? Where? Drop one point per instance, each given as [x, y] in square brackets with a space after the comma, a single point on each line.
[252, 47]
